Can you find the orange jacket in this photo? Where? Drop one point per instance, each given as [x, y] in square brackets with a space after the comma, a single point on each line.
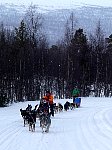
[49, 99]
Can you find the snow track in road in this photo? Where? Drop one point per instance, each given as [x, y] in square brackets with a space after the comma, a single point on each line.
[86, 128]
[9, 136]
[96, 133]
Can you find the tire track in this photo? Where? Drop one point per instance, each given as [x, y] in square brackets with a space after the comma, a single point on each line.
[96, 133]
[83, 131]
[107, 120]
[89, 134]
[103, 126]
[9, 135]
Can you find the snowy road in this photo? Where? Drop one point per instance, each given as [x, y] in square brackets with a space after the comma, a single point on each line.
[86, 128]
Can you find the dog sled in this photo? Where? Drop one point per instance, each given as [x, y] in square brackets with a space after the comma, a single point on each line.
[77, 102]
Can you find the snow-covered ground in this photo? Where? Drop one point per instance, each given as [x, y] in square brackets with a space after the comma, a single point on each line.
[86, 128]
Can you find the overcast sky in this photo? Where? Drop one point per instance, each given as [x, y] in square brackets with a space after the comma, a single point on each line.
[59, 3]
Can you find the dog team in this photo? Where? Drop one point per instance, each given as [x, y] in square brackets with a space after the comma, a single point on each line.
[45, 110]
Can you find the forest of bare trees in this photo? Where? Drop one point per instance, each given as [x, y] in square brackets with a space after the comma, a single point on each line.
[29, 66]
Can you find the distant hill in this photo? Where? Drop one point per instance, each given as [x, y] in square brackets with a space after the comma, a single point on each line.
[54, 20]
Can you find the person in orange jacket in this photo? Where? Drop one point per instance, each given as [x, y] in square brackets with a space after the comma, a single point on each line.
[49, 98]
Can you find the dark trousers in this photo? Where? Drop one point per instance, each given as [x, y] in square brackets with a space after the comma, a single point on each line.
[52, 109]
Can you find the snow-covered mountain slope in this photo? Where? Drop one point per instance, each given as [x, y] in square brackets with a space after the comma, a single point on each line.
[84, 17]
[86, 128]
[55, 19]
[60, 3]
